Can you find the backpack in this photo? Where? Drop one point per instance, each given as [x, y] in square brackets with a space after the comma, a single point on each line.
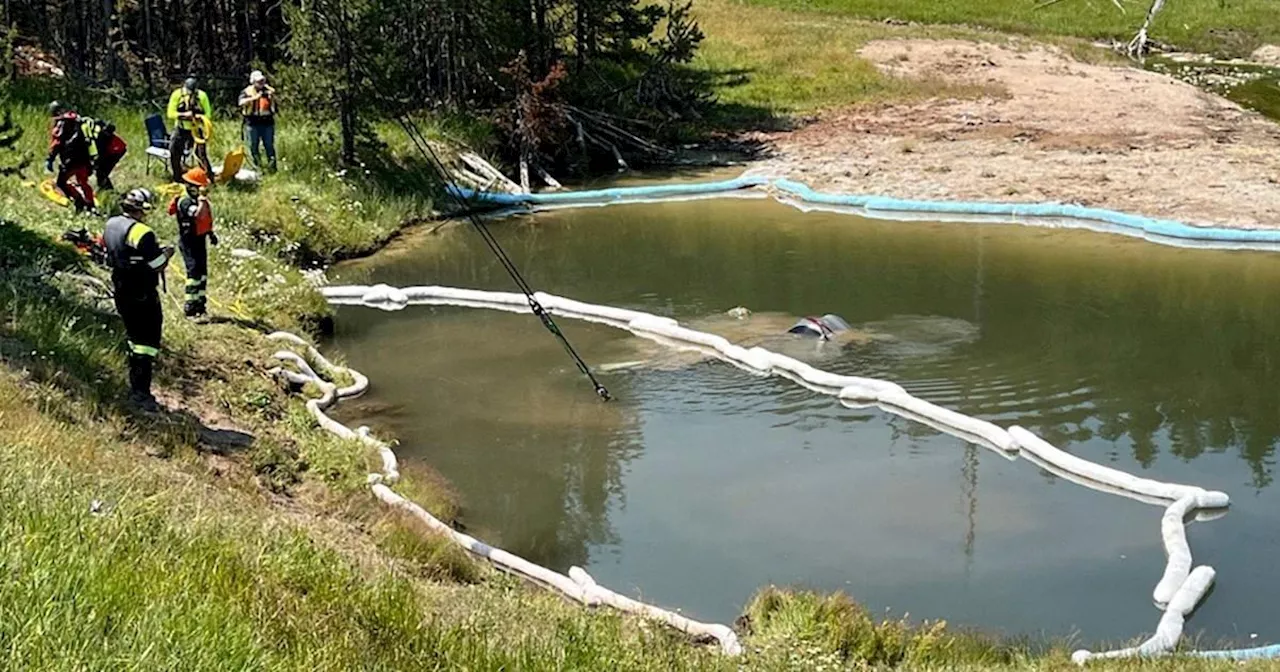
[72, 138]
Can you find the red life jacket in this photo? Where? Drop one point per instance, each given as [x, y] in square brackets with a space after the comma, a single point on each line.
[204, 221]
[200, 224]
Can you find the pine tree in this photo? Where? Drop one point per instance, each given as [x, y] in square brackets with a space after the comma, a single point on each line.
[346, 56]
[12, 162]
[623, 64]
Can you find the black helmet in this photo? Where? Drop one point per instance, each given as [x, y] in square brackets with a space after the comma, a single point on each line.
[137, 200]
[56, 108]
[190, 84]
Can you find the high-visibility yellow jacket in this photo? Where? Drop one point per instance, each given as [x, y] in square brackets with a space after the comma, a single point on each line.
[182, 100]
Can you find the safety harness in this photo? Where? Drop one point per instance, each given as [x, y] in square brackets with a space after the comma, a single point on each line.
[68, 137]
[121, 238]
[264, 106]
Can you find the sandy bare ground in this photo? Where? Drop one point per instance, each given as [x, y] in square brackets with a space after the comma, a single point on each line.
[1066, 131]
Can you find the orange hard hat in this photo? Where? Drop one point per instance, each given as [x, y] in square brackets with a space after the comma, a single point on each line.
[196, 176]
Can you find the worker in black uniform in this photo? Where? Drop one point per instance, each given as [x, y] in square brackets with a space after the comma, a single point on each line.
[137, 262]
[195, 230]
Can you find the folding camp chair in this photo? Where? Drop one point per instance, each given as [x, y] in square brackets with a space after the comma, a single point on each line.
[158, 141]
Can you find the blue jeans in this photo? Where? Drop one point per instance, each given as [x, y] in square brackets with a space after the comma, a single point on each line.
[266, 135]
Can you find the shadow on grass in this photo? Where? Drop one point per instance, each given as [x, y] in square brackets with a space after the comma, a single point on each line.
[739, 117]
[410, 173]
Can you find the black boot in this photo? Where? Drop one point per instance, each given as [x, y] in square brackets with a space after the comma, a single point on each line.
[140, 383]
[194, 309]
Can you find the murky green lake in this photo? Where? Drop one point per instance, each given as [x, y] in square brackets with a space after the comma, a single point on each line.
[701, 483]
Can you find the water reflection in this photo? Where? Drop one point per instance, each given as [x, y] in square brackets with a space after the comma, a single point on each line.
[492, 407]
[702, 482]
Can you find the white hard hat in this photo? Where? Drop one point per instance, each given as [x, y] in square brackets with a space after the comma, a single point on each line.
[138, 199]
[256, 76]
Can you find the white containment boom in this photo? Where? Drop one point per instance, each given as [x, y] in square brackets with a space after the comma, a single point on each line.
[1177, 593]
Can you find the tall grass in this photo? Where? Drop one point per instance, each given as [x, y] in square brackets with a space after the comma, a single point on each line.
[847, 634]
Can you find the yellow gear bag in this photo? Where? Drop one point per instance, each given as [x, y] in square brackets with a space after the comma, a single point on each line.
[51, 192]
[231, 165]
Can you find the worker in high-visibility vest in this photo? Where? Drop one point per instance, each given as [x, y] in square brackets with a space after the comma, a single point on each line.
[195, 232]
[188, 106]
[106, 148]
[258, 106]
[137, 262]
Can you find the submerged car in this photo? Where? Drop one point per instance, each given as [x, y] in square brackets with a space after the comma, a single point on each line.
[819, 327]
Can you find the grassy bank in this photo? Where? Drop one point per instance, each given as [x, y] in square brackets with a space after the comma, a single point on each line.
[782, 62]
[309, 214]
[115, 561]
[1233, 28]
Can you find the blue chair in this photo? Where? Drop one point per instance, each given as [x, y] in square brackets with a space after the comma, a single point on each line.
[158, 141]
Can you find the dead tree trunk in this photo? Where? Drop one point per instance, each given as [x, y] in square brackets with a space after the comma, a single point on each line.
[1138, 46]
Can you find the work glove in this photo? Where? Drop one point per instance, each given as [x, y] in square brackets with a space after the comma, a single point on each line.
[48, 165]
[213, 238]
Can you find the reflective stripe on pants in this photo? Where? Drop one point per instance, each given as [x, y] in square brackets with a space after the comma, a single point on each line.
[195, 254]
[143, 350]
[197, 288]
[139, 307]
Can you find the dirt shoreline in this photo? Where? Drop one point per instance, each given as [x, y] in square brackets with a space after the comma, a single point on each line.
[1105, 136]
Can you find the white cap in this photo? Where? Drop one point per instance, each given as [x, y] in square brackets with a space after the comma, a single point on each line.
[256, 76]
